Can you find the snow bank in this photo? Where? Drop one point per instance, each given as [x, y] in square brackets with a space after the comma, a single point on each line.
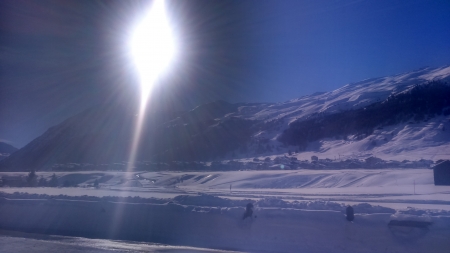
[420, 212]
[220, 225]
[322, 205]
[366, 208]
[273, 202]
[205, 200]
[208, 200]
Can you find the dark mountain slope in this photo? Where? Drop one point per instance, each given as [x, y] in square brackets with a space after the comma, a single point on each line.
[94, 136]
[6, 148]
[103, 135]
[202, 133]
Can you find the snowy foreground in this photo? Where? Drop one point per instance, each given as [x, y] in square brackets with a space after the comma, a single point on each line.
[295, 211]
[11, 241]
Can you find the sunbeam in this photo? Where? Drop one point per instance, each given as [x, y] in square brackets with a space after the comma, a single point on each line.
[153, 49]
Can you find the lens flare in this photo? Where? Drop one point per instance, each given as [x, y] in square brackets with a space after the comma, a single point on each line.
[152, 46]
[153, 49]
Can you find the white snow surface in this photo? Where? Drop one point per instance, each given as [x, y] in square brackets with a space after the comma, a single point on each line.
[294, 211]
[393, 188]
[407, 141]
[13, 241]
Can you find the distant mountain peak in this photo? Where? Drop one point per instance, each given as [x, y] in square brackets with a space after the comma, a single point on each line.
[7, 148]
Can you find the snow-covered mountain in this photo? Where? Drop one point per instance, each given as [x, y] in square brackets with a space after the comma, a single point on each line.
[220, 130]
[349, 97]
[399, 141]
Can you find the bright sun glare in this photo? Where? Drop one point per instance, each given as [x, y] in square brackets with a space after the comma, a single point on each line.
[152, 46]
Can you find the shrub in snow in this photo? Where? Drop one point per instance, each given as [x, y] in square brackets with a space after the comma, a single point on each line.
[350, 213]
[53, 181]
[323, 205]
[367, 208]
[272, 202]
[248, 211]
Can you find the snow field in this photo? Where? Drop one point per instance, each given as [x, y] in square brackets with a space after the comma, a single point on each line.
[18, 242]
[394, 188]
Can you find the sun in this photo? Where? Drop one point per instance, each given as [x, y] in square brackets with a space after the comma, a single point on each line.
[152, 46]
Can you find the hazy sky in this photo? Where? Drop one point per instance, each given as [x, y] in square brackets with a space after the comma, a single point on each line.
[60, 57]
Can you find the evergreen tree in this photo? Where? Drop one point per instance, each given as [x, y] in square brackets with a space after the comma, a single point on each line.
[32, 178]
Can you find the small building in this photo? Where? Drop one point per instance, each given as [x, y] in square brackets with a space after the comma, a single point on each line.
[442, 173]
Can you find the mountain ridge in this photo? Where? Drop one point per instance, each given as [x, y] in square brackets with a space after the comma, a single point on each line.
[212, 131]
[7, 148]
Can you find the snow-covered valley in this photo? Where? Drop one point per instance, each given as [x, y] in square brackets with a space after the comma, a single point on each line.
[198, 172]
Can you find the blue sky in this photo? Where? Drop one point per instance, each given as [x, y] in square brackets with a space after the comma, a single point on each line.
[308, 46]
